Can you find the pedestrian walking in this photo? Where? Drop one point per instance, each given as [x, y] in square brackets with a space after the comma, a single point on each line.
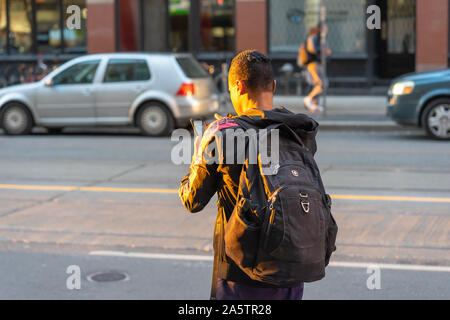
[257, 254]
[310, 58]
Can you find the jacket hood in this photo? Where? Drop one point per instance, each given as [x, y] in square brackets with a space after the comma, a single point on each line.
[303, 125]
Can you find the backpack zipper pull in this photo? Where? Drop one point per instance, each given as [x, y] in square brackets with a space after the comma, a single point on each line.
[275, 168]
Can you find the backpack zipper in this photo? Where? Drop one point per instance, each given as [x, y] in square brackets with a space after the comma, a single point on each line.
[272, 199]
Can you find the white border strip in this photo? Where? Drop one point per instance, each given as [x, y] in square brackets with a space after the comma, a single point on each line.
[160, 256]
[405, 267]
[337, 264]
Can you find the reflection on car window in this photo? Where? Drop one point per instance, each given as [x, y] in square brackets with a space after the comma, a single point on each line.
[191, 68]
[120, 70]
[79, 73]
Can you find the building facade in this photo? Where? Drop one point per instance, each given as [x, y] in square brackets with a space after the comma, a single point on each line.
[35, 31]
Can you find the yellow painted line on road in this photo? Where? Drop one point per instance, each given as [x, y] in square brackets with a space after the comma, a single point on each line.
[128, 190]
[41, 188]
[175, 191]
[91, 189]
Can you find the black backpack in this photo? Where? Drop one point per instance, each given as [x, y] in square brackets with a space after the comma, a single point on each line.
[281, 231]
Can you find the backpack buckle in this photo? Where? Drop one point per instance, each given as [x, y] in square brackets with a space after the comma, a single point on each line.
[305, 206]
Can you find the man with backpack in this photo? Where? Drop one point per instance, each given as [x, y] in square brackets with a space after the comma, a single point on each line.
[274, 229]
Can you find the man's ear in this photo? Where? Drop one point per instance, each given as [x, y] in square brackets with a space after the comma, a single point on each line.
[240, 86]
[274, 85]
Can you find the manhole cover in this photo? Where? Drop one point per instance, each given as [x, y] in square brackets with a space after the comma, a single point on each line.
[108, 276]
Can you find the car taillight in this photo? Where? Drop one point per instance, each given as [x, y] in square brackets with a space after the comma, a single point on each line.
[186, 90]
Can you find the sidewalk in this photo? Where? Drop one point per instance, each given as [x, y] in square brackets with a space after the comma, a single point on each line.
[345, 112]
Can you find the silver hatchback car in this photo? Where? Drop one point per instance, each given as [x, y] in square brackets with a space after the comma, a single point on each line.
[155, 92]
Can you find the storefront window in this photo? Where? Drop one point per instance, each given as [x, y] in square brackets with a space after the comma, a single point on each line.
[17, 37]
[155, 13]
[179, 24]
[401, 26]
[20, 15]
[291, 20]
[182, 25]
[75, 38]
[48, 30]
[217, 25]
[3, 31]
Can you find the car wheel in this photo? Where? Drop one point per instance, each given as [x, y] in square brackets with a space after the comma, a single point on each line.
[16, 119]
[154, 119]
[436, 119]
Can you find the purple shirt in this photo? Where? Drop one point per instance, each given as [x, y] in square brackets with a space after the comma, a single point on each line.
[229, 290]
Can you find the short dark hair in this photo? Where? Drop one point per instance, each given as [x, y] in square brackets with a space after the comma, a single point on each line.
[254, 68]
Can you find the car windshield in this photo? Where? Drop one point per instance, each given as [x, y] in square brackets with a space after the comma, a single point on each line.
[191, 68]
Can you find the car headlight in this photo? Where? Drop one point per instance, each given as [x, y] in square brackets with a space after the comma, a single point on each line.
[403, 87]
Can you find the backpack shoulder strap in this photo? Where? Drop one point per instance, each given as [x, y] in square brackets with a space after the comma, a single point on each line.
[288, 130]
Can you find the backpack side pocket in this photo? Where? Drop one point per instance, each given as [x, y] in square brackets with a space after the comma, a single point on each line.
[332, 231]
[242, 235]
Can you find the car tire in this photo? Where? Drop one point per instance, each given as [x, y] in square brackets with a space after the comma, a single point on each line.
[154, 119]
[436, 119]
[16, 119]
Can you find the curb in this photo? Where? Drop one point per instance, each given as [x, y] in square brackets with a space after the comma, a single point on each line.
[362, 125]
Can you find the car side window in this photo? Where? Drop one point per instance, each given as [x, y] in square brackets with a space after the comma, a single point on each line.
[121, 70]
[80, 73]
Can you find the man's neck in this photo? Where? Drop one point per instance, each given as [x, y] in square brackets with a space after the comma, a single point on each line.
[263, 102]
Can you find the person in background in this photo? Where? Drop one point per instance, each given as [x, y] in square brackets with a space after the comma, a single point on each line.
[42, 69]
[315, 74]
[55, 64]
[29, 75]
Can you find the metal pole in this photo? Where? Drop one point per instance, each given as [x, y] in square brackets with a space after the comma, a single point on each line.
[323, 56]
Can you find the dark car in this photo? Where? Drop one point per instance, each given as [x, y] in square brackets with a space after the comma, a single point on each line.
[422, 99]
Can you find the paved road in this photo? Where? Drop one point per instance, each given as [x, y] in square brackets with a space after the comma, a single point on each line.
[31, 275]
[391, 200]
